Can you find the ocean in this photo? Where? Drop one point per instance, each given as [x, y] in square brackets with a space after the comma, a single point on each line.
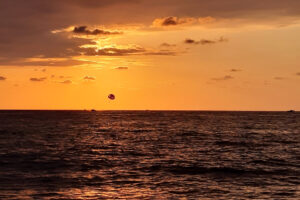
[149, 155]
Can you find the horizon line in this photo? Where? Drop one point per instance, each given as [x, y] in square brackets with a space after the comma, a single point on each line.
[154, 110]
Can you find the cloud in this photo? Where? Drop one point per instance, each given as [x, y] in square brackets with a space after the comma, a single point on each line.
[298, 74]
[84, 30]
[66, 82]
[46, 50]
[190, 41]
[61, 77]
[235, 70]
[26, 26]
[113, 51]
[205, 41]
[43, 62]
[161, 53]
[121, 68]
[167, 45]
[225, 78]
[170, 21]
[175, 21]
[89, 78]
[2, 78]
[38, 79]
[256, 10]
[125, 51]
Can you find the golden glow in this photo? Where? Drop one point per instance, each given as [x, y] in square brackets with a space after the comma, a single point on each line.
[166, 73]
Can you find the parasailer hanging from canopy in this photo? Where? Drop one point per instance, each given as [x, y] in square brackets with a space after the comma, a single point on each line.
[112, 97]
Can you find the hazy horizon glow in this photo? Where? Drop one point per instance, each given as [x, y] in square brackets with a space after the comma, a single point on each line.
[158, 55]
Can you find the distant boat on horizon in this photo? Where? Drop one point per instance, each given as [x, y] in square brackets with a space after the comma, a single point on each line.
[93, 110]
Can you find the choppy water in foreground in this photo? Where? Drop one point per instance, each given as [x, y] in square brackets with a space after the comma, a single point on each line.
[149, 155]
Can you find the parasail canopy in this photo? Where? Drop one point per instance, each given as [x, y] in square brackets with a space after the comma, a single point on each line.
[112, 97]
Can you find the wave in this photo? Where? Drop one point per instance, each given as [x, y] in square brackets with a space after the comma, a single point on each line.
[195, 170]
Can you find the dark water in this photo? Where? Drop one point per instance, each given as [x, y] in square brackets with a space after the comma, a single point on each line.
[149, 155]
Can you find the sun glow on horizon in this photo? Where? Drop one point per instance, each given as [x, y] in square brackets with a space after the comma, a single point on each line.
[167, 59]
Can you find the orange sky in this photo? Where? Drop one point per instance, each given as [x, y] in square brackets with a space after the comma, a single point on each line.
[163, 55]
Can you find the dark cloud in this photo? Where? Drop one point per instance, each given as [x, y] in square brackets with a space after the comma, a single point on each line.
[89, 78]
[46, 46]
[235, 70]
[225, 78]
[170, 21]
[84, 30]
[121, 68]
[205, 41]
[38, 79]
[190, 41]
[2, 78]
[176, 21]
[26, 25]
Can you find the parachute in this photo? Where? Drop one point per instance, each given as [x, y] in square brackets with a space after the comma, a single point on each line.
[112, 97]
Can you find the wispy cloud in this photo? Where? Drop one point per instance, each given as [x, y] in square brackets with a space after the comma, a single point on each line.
[205, 41]
[66, 82]
[121, 68]
[84, 30]
[62, 77]
[225, 78]
[38, 79]
[125, 51]
[235, 70]
[176, 21]
[2, 78]
[165, 44]
[89, 78]
[44, 62]
[114, 51]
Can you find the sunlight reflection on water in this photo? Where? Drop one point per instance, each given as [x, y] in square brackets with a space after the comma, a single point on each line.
[149, 155]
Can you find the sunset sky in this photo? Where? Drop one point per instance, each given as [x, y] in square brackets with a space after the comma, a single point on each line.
[152, 54]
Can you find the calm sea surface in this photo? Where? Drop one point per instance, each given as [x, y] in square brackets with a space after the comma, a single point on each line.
[149, 155]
